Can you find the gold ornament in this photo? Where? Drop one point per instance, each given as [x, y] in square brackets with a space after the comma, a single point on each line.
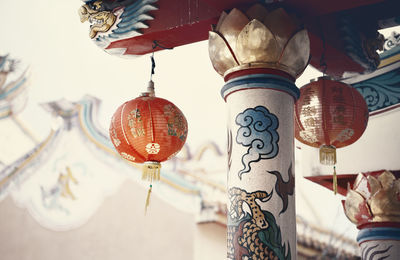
[101, 21]
[259, 39]
[374, 198]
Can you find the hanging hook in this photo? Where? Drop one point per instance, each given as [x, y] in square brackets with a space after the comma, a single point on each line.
[156, 44]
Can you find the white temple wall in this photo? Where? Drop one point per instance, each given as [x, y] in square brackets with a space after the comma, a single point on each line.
[119, 230]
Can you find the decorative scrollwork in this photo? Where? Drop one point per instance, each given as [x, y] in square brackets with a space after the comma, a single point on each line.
[382, 91]
[258, 131]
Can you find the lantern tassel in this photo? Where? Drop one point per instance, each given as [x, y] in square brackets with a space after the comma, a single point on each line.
[148, 199]
[327, 155]
[151, 171]
[334, 183]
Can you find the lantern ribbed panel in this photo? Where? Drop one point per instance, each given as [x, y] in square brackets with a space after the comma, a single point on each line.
[148, 129]
[330, 113]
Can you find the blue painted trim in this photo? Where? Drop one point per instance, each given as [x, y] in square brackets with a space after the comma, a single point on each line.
[266, 81]
[88, 107]
[378, 233]
[382, 91]
[390, 53]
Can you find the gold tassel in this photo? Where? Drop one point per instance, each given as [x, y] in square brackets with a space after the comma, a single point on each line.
[327, 155]
[148, 199]
[334, 183]
[151, 171]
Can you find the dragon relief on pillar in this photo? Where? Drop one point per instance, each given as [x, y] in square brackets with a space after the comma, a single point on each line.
[254, 234]
[114, 20]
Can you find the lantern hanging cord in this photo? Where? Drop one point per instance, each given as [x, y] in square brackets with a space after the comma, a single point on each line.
[322, 61]
[153, 65]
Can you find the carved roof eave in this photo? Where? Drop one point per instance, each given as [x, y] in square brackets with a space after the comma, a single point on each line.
[380, 88]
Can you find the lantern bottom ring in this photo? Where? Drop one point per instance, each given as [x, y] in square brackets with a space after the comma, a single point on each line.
[151, 171]
[327, 154]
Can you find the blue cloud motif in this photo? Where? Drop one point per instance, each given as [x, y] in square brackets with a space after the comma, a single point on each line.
[258, 131]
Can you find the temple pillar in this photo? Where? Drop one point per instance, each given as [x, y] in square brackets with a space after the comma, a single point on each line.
[260, 53]
[373, 204]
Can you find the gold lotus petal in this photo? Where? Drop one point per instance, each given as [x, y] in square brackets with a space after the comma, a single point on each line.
[374, 184]
[385, 204]
[396, 185]
[258, 12]
[361, 185]
[297, 53]
[281, 25]
[232, 25]
[219, 53]
[220, 20]
[360, 178]
[256, 43]
[352, 205]
[386, 178]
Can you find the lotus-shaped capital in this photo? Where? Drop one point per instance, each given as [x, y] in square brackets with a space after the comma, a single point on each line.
[374, 198]
[259, 39]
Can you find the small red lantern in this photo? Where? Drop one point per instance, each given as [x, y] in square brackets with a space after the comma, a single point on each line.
[148, 130]
[329, 115]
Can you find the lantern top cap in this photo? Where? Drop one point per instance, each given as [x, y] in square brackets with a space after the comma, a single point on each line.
[150, 90]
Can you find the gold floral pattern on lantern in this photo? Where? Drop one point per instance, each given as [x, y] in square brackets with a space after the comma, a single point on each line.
[176, 123]
[259, 38]
[375, 197]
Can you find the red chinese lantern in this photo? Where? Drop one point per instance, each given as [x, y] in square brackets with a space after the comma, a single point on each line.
[329, 115]
[148, 130]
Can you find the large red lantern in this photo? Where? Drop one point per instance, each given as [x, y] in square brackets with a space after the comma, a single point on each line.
[329, 115]
[148, 130]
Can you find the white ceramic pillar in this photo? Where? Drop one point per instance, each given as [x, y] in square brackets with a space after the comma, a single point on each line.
[261, 220]
[260, 54]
